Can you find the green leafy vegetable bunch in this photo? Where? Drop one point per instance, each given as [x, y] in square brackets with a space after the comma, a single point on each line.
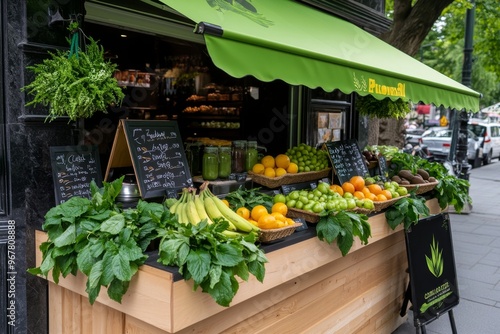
[406, 211]
[97, 238]
[249, 198]
[212, 260]
[343, 226]
[386, 108]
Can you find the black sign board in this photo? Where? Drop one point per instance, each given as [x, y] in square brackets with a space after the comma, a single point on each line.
[382, 167]
[346, 159]
[73, 168]
[431, 260]
[288, 188]
[156, 152]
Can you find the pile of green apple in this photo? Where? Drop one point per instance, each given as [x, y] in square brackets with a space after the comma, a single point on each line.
[323, 198]
[308, 158]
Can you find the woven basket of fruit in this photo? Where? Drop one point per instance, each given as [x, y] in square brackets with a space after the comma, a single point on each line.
[308, 216]
[421, 188]
[274, 182]
[381, 205]
[268, 235]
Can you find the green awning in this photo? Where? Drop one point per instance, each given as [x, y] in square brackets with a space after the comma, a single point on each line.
[287, 40]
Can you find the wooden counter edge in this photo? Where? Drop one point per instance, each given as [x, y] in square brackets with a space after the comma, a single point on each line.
[153, 292]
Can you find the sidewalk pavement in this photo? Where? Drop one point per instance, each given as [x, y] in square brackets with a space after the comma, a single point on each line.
[476, 243]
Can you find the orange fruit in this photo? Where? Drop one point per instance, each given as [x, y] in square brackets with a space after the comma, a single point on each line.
[280, 217]
[386, 193]
[243, 212]
[289, 221]
[371, 196]
[282, 161]
[292, 168]
[253, 222]
[359, 194]
[269, 172]
[358, 182]
[338, 189]
[267, 221]
[348, 187]
[258, 168]
[375, 189]
[280, 171]
[258, 211]
[225, 201]
[366, 191]
[268, 161]
[380, 198]
[280, 207]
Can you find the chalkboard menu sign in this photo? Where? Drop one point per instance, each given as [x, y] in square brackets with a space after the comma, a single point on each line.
[431, 260]
[73, 167]
[346, 159]
[156, 152]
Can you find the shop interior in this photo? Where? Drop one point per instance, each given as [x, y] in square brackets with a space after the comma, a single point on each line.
[170, 79]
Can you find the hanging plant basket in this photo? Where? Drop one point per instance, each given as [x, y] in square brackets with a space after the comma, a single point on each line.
[75, 83]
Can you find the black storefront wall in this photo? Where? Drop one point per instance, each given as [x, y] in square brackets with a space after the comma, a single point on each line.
[27, 184]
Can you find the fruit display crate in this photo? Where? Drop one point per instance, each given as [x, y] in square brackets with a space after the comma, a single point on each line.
[421, 188]
[275, 182]
[270, 235]
[313, 218]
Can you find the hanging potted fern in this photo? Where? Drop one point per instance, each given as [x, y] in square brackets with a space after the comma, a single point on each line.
[75, 83]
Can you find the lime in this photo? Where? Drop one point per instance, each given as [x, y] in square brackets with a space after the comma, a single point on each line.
[279, 198]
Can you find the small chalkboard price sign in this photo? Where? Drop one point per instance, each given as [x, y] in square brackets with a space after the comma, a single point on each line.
[156, 152]
[288, 188]
[382, 167]
[433, 280]
[346, 159]
[73, 168]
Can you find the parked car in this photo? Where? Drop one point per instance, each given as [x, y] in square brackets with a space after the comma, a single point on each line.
[438, 142]
[489, 135]
[412, 136]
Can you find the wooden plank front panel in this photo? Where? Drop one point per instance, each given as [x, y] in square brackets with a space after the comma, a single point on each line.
[346, 295]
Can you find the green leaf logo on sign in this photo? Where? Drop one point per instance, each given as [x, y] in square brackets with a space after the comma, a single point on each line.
[435, 262]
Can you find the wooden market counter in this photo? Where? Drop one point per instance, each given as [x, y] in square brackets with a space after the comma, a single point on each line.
[308, 288]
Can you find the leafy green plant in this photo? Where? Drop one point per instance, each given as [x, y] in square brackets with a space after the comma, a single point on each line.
[343, 226]
[211, 259]
[407, 211]
[75, 84]
[108, 245]
[435, 262]
[249, 198]
[386, 108]
[97, 238]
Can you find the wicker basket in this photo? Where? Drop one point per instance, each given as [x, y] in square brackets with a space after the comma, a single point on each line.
[275, 182]
[268, 235]
[308, 216]
[312, 217]
[379, 206]
[421, 188]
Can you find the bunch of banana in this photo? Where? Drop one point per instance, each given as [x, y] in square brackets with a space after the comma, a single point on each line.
[193, 208]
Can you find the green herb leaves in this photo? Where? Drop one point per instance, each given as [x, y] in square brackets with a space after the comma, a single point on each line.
[108, 245]
[75, 85]
[204, 254]
[249, 198]
[97, 238]
[407, 211]
[343, 226]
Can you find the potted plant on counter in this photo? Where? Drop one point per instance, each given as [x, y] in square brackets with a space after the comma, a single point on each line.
[75, 83]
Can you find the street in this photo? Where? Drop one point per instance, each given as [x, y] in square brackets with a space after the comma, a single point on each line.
[476, 243]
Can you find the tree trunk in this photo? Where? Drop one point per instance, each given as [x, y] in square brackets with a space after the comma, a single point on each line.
[409, 28]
